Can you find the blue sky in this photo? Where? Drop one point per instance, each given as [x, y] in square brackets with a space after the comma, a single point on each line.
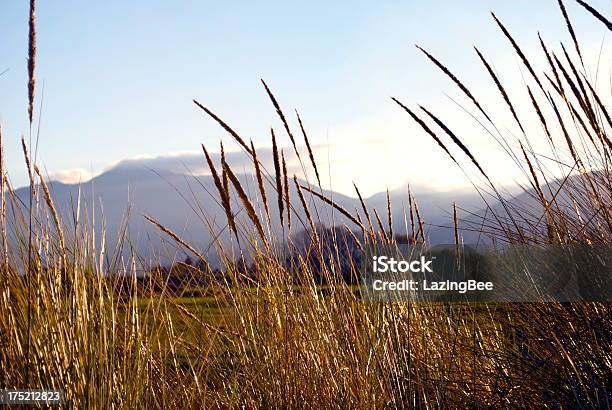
[119, 76]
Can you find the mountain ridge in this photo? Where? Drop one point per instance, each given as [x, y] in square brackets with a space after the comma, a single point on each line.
[187, 205]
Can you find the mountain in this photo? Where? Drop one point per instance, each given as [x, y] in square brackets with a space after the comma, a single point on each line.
[187, 205]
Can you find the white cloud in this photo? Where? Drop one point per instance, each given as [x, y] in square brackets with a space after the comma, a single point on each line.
[70, 176]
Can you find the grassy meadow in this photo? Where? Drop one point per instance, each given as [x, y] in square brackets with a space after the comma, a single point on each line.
[271, 336]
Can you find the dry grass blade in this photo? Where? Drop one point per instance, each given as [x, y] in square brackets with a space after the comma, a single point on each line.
[389, 215]
[584, 96]
[420, 222]
[595, 13]
[456, 81]
[26, 156]
[3, 204]
[338, 207]
[578, 117]
[281, 115]
[575, 113]
[223, 173]
[26, 367]
[278, 177]
[567, 137]
[579, 97]
[601, 106]
[260, 182]
[174, 237]
[310, 154]
[518, 51]
[535, 183]
[305, 206]
[540, 115]
[500, 87]
[411, 210]
[455, 227]
[54, 214]
[570, 29]
[426, 129]
[286, 186]
[552, 66]
[383, 232]
[31, 59]
[585, 101]
[580, 164]
[358, 216]
[555, 86]
[245, 201]
[223, 193]
[354, 237]
[364, 208]
[226, 127]
[457, 141]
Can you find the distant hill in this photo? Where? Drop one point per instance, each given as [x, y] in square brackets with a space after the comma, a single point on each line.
[188, 205]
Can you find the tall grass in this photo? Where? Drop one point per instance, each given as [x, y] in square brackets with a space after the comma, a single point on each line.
[71, 318]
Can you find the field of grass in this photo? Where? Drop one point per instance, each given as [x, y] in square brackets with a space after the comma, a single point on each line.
[276, 338]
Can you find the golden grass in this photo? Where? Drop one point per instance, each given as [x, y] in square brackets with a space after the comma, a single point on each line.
[272, 336]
